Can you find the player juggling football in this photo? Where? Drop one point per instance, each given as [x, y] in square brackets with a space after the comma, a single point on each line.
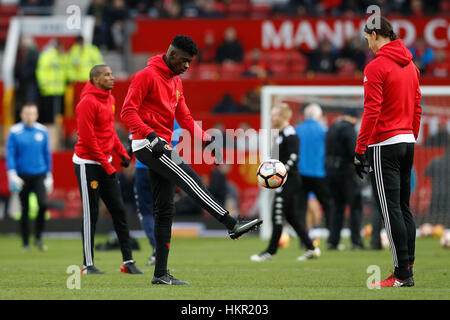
[154, 99]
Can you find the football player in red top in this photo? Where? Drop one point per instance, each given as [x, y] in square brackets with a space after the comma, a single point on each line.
[389, 129]
[97, 139]
[155, 98]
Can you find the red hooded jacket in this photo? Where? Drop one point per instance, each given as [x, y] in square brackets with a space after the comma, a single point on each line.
[97, 137]
[391, 96]
[154, 99]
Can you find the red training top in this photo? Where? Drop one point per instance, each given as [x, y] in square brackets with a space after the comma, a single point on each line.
[391, 96]
[154, 99]
[97, 137]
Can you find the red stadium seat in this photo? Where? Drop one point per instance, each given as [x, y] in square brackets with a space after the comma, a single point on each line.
[238, 9]
[231, 70]
[298, 63]
[278, 62]
[347, 69]
[260, 11]
[207, 71]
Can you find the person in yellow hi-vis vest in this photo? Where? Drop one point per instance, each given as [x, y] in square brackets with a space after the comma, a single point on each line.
[82, 58]
[51, 74]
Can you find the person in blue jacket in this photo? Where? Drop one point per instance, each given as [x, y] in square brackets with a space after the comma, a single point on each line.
[144, 196]
[29, 166]
[311, 162]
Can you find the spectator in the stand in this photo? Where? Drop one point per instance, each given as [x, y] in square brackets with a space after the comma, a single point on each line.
[119, 15]
[231, 49]
[226, 105]
[431, 7]
[207, 53]
[423, 54]
[100, 10]
[351, 8]
[25, 73]
[139, 9]
[329, 7]
[82, 58]
[171, 10]
[440, 67]
[51, 74]
[255, 65]
[207, 9]
[397, 6]
[296, 7]
[322, 59]
[353, 51]
[251, 102]
[416, 8]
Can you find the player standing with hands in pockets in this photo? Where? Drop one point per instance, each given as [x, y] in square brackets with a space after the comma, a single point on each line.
[155, 98]
[97, 139]
[389, 129]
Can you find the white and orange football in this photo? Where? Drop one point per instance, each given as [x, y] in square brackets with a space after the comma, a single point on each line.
[271, 174]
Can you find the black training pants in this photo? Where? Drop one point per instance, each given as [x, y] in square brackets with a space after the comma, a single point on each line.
[32, 183]
[346, 191]
[94, 184]
[322, 192]
[390, 171]
[285, 206]
[167, 172]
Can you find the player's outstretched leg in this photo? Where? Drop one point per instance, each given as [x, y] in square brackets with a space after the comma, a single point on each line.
[172, 167]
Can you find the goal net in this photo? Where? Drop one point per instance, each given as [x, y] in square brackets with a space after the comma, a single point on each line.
[430, 197]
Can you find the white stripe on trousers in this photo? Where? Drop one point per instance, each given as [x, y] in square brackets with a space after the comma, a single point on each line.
[191, 183]
[383, 202]
[194, 186]
[86, 216]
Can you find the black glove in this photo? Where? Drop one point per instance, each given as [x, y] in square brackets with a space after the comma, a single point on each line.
[129, 149]
[156, 145]
[215, 150]
[125, 162]
[112, 175]
[361, 164]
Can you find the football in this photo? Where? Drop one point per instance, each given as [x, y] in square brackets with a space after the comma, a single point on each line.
[445, 239]
[271, 174]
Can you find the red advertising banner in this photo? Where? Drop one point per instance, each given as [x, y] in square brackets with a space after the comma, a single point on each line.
[153, 36]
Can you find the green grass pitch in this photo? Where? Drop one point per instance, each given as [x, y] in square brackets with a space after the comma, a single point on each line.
[219, 269]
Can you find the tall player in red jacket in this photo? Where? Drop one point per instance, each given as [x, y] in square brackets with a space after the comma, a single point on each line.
[389, 129]
[97, 139]
[155, 98]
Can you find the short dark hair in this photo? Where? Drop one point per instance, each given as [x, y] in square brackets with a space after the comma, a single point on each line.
[385, 29]
[29, 105]
[186, 44]
[96, 71]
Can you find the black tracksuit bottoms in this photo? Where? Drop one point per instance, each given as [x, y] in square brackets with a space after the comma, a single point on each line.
[167, 172]
[390, 172]
[32, 183]
[285, 205]
[94, 183]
